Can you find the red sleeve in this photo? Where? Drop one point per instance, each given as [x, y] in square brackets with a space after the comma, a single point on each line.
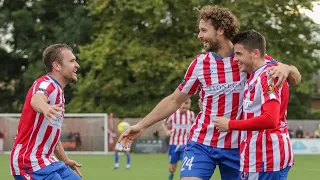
[190, 83]
[44, 87]
[267, 120]
[269, 59]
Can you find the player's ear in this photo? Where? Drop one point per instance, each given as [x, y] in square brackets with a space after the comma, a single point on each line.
[56, 66]
[255, 53]
[220, 31]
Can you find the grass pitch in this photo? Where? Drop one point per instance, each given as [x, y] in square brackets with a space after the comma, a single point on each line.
[155, 167]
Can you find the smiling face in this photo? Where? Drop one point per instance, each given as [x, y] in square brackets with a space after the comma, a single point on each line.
[68, 66]
[209, 36]
[249, 48]
[244, 58]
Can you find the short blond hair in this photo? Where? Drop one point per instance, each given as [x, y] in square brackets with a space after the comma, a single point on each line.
[52, 53]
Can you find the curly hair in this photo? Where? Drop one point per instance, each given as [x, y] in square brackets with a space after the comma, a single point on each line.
[220, 18]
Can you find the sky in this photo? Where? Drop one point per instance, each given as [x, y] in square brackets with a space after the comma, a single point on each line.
[315, 14]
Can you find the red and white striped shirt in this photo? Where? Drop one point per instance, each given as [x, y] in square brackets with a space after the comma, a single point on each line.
[37, 138]
[180, 124]
[270, 149]
[221, 90]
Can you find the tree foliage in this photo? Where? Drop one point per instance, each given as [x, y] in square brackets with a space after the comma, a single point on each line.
[141, 49]
[134, 53]
[34, 25]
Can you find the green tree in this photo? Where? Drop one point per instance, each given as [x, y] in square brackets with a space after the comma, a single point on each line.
[139, 55]
[141, 49]
[34, 25]
[11, 86]
[134, 53]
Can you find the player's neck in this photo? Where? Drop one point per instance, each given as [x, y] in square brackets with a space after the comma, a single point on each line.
[259, 63]
[58, 78]
[226, 49]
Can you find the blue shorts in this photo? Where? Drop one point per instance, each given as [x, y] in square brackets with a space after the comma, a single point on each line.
[54, 171]
[200, 161]
[175, 153]
[277, 175]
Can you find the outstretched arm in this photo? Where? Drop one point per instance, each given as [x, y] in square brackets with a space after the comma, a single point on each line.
[39, 102]
[165, 108]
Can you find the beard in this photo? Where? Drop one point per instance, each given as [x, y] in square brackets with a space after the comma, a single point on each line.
[214, 46]
[71, 78]
[74, 79]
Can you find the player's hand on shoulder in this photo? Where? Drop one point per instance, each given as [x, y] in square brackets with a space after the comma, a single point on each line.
[221, 123]
[280, 72]
[52, 112]
[131, 134]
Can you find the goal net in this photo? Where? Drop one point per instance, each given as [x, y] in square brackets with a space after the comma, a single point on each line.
[81, 133]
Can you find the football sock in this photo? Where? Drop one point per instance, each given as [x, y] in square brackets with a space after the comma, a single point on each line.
[116, 157]
[128, 159]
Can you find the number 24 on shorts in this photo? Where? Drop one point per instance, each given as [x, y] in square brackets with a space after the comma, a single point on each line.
[187, 162]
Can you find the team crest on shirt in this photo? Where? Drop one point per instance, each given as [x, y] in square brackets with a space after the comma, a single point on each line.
[244, 175]
[271, 89]
[251, 87]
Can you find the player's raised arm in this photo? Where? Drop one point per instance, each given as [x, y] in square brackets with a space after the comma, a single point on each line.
[39, 103]
[165, 108]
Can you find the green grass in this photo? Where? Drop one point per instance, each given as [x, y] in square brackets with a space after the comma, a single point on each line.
[155, 167]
